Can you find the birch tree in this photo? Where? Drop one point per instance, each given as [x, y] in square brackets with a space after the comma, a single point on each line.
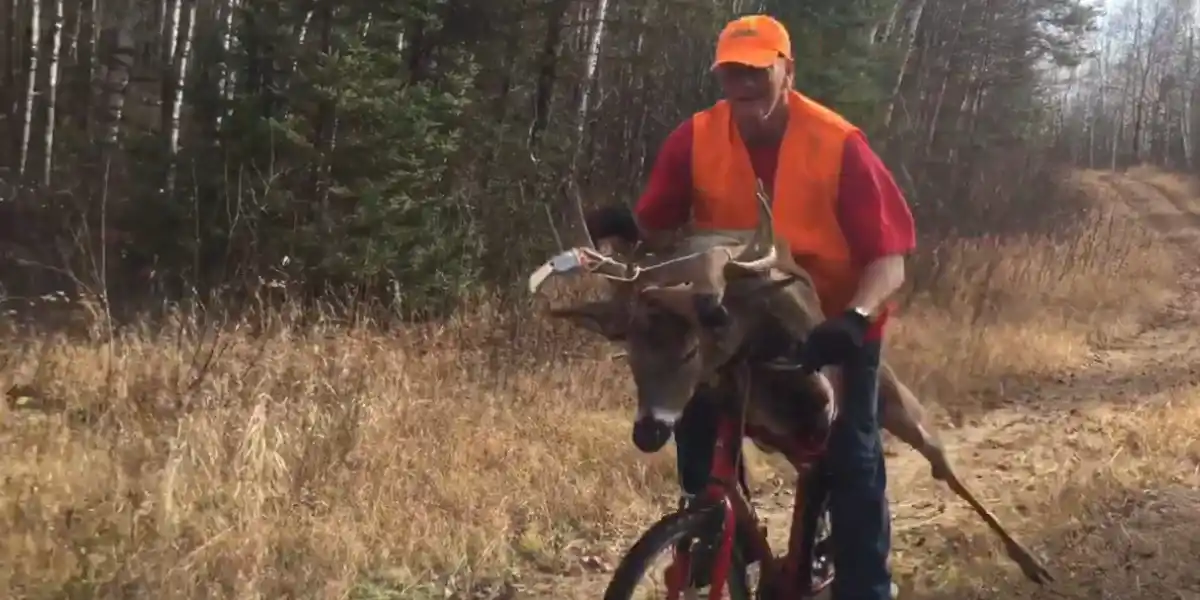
[53, 67]
[387, 146]
[35, 34]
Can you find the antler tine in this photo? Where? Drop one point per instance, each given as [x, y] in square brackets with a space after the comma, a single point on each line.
[762, 243]
[536, 162]
[553, 228]
[578, 198]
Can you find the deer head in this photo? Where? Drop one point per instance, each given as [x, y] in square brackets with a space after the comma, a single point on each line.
[681, 312]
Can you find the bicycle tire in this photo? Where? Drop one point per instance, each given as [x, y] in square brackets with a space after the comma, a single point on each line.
[700, 521]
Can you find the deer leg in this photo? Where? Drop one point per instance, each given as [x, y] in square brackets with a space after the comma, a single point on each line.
[906, 419]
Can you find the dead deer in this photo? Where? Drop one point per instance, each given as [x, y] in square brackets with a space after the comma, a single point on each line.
[654, 310]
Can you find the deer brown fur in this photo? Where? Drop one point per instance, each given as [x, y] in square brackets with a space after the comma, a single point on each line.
[652, 311]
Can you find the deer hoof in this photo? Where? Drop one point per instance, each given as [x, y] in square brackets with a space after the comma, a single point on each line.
[1030, 567]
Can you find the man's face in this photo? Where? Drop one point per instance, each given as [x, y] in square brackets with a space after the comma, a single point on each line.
[754, 93]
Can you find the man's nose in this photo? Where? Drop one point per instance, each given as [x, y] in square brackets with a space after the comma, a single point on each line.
[739, 87]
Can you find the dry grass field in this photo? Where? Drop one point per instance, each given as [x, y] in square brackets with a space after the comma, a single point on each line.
[490, 457]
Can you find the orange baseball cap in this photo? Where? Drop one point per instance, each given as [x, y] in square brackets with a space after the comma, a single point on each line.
[754, 40]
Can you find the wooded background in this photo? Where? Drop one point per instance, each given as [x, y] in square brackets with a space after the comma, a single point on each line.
[416, 150]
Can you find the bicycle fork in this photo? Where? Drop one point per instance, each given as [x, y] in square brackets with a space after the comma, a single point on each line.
[678, 574]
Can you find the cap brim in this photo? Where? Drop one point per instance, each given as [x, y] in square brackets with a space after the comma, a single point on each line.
[756, 57]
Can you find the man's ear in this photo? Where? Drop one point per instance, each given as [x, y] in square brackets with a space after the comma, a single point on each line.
[789, 72]
[601, 316]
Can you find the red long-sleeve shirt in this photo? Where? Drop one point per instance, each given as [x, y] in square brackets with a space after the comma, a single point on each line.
[871, 210]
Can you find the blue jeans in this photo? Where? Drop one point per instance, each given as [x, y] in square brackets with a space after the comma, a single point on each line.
[695, 434]
[855, 480]
[852, 476]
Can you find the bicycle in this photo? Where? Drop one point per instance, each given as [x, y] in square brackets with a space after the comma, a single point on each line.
[723, 517]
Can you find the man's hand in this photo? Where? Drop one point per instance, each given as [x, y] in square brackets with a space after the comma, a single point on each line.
[835, 341]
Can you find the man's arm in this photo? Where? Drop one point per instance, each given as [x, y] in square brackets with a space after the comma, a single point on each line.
[876, 221]
[665, 205]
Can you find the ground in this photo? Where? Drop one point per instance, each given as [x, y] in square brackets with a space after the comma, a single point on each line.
[1097, 467]
[292, 456]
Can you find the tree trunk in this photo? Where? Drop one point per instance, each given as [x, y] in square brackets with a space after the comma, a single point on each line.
[179, 77]
[85, 66]
[547, 70]
[910, 36]
[35, 34]
[52, 76]
[114, 78]
[589, 79]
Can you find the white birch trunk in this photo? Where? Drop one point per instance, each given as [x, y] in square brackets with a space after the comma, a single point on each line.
[35, 20]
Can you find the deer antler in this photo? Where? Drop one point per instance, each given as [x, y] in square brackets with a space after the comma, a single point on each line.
[579, 212]
[702, 267]
[762, 242]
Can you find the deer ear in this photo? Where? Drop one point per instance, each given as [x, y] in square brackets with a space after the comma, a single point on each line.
[601, 317]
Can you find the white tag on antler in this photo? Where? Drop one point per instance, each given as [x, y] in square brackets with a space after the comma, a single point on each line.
[565, 262]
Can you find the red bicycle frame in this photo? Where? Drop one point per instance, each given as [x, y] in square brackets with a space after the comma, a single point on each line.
[781, 575]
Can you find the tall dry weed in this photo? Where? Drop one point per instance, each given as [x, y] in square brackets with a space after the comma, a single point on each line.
[270, 459]
[1034, 304]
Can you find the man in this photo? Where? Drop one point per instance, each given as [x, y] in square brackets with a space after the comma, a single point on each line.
[847, 224]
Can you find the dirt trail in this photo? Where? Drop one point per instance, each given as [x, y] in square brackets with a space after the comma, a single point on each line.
[942, 552]
[1044, 424]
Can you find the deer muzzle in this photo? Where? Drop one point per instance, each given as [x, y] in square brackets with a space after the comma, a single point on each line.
[651, 434]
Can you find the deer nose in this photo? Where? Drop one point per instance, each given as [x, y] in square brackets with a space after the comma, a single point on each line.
[650, 434]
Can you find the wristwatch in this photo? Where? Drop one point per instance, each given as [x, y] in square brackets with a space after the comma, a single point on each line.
[862, 312]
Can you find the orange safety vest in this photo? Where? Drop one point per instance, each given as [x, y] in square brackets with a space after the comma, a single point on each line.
[804, 191]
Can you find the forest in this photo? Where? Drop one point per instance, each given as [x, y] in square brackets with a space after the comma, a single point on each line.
[415, 153]
[266, 330]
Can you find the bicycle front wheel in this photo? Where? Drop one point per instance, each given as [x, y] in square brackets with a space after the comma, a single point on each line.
[694, 529]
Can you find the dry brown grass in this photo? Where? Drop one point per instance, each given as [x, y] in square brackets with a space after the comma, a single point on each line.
[305, 462]
[1035, 305]
[1113, 500]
